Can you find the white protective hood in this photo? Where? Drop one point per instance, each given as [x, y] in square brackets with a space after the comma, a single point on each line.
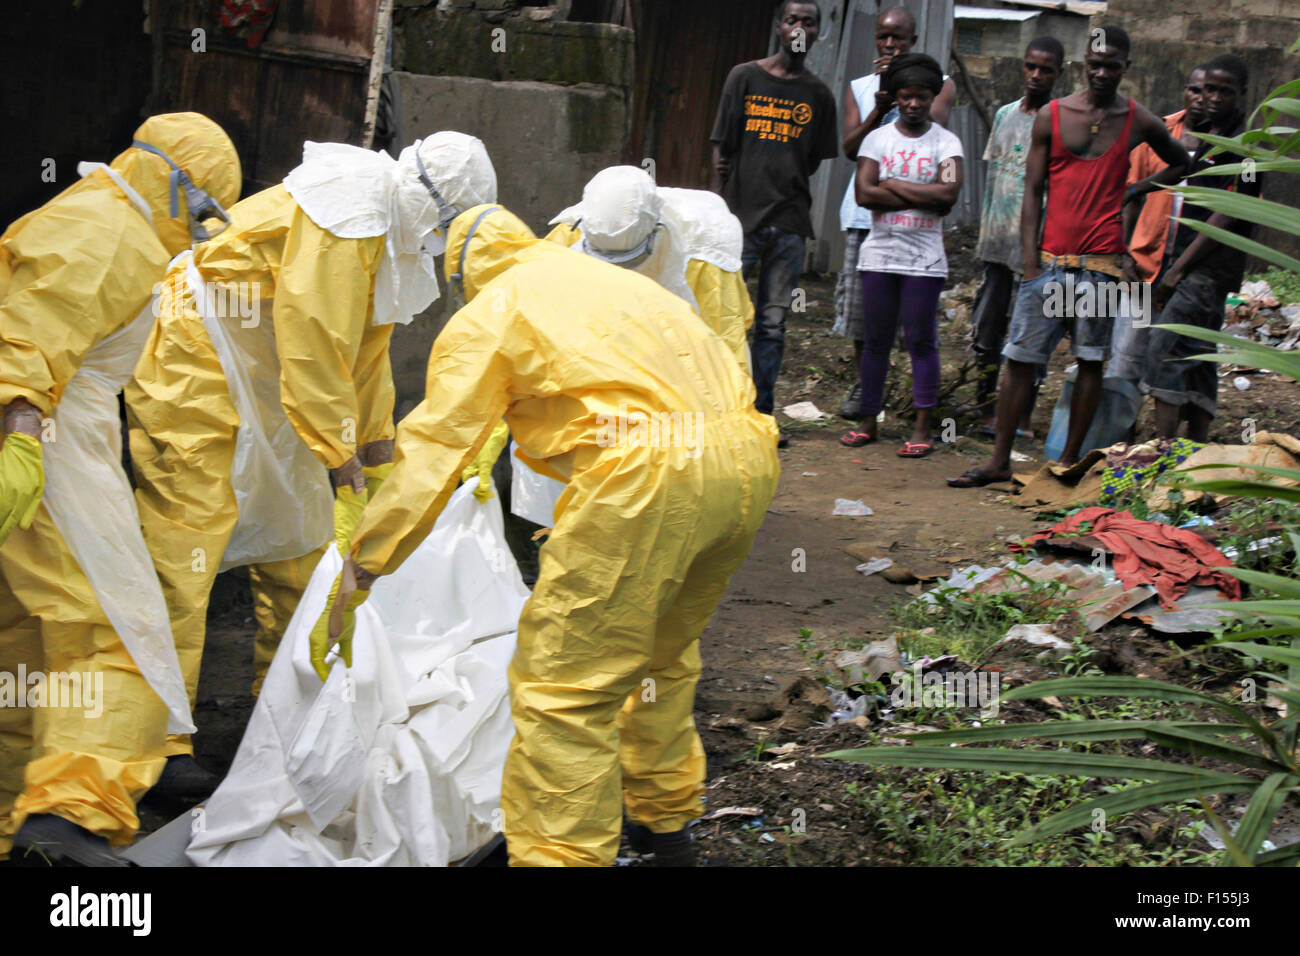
[354, 193]
[708, 229]
[620, 210]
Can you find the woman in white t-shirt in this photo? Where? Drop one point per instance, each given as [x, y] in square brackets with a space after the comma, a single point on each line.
[909, 176]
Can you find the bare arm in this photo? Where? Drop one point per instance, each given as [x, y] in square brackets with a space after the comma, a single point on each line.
[941, 108]
[721, 170]
[938, 196]
[870, 193]
[855, 127]
[1031, 208]
[1153, 132]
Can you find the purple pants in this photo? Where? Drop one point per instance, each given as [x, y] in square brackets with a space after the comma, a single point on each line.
[887, 298]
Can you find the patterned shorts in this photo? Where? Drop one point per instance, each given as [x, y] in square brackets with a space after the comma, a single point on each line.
[848, 289]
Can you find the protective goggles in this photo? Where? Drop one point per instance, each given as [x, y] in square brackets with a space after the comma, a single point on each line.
[201, 205]
[637, 254]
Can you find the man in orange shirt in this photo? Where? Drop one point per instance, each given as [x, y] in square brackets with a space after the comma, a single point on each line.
[1148, 243]
[1147, 246]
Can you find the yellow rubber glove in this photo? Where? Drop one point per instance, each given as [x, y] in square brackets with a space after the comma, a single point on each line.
[376, 475]
[348, 507]
[22, 482]
[338, 622]
[485, 459]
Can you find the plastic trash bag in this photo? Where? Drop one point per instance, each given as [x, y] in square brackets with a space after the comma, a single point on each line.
[397, 761]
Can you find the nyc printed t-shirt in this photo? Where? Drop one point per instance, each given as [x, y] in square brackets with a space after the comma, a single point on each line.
[907, 241]
[775, 131]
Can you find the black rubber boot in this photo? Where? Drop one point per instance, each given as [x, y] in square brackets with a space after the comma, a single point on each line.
[183, 782]
[59, 839]
[665, 849]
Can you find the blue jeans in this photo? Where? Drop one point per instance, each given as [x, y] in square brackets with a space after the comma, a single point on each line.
[778, 258]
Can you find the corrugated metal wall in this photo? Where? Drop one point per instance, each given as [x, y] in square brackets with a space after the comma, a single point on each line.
[845, 51]
[968, 126]
[680, 72]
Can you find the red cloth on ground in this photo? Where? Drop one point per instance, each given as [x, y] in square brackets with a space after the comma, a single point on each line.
[1168, 559]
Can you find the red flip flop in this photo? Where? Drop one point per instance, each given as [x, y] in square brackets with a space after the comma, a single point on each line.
[856, 439]
[915, 449]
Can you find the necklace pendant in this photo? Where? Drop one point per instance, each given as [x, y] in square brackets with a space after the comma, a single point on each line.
[1096, 128]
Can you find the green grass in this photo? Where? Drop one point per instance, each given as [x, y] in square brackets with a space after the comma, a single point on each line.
[1284, 283]
[940, 818]
[968, 625]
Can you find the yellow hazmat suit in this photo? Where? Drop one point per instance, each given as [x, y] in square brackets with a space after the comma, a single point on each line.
[334, 381]
[320, 267]
[73, 273]
[722, 297]
[612, 384]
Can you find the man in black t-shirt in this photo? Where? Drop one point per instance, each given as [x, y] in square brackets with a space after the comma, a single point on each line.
[1199, 272]
[776, 123]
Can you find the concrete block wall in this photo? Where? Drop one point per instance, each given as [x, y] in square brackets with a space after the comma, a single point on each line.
[1172, 36]
[549, 99]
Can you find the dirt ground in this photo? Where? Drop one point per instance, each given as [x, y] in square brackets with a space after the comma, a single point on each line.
[801, 574]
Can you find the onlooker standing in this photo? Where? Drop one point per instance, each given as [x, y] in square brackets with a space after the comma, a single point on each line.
[1078, 155]
[999, 244]
[1148, 243]
[866, 107]
[775, 124]
[1199, 272]
[1147, 246]
[909, 175]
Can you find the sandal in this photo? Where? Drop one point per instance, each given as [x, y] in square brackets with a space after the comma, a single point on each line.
[915, 449]
[975, 478]
[856, 439]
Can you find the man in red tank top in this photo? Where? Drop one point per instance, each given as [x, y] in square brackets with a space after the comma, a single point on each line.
[1077, 277]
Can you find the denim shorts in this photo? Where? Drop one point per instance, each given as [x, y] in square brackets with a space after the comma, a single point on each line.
[1081, 303]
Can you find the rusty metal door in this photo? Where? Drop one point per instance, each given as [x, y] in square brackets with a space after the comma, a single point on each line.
[305, 80]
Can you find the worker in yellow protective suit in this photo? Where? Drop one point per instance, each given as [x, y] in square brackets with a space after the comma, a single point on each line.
[269, 361]
[89, 679]
[687, 240]
[612, 384]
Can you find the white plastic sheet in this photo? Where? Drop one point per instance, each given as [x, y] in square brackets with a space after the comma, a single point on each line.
[397, 761]
[532, 496]
[91, 502]
[273, 467]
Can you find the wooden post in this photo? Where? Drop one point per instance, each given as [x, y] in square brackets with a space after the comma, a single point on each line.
[378, 60]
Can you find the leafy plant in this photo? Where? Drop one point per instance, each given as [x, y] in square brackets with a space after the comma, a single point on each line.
[968, 623]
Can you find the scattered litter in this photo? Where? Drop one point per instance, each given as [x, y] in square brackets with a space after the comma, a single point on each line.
[849, 508]
[1266, 545]
[874, 565]
[786, 765]
[768, 838]
[784, 749]
[1019, 456]
[1100, 595]
[848, 707]
[1039, 636]
[804, 412]
[1169, 559]
[733, 812]
[810, 474]
[869, 663]
[1241, 383]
